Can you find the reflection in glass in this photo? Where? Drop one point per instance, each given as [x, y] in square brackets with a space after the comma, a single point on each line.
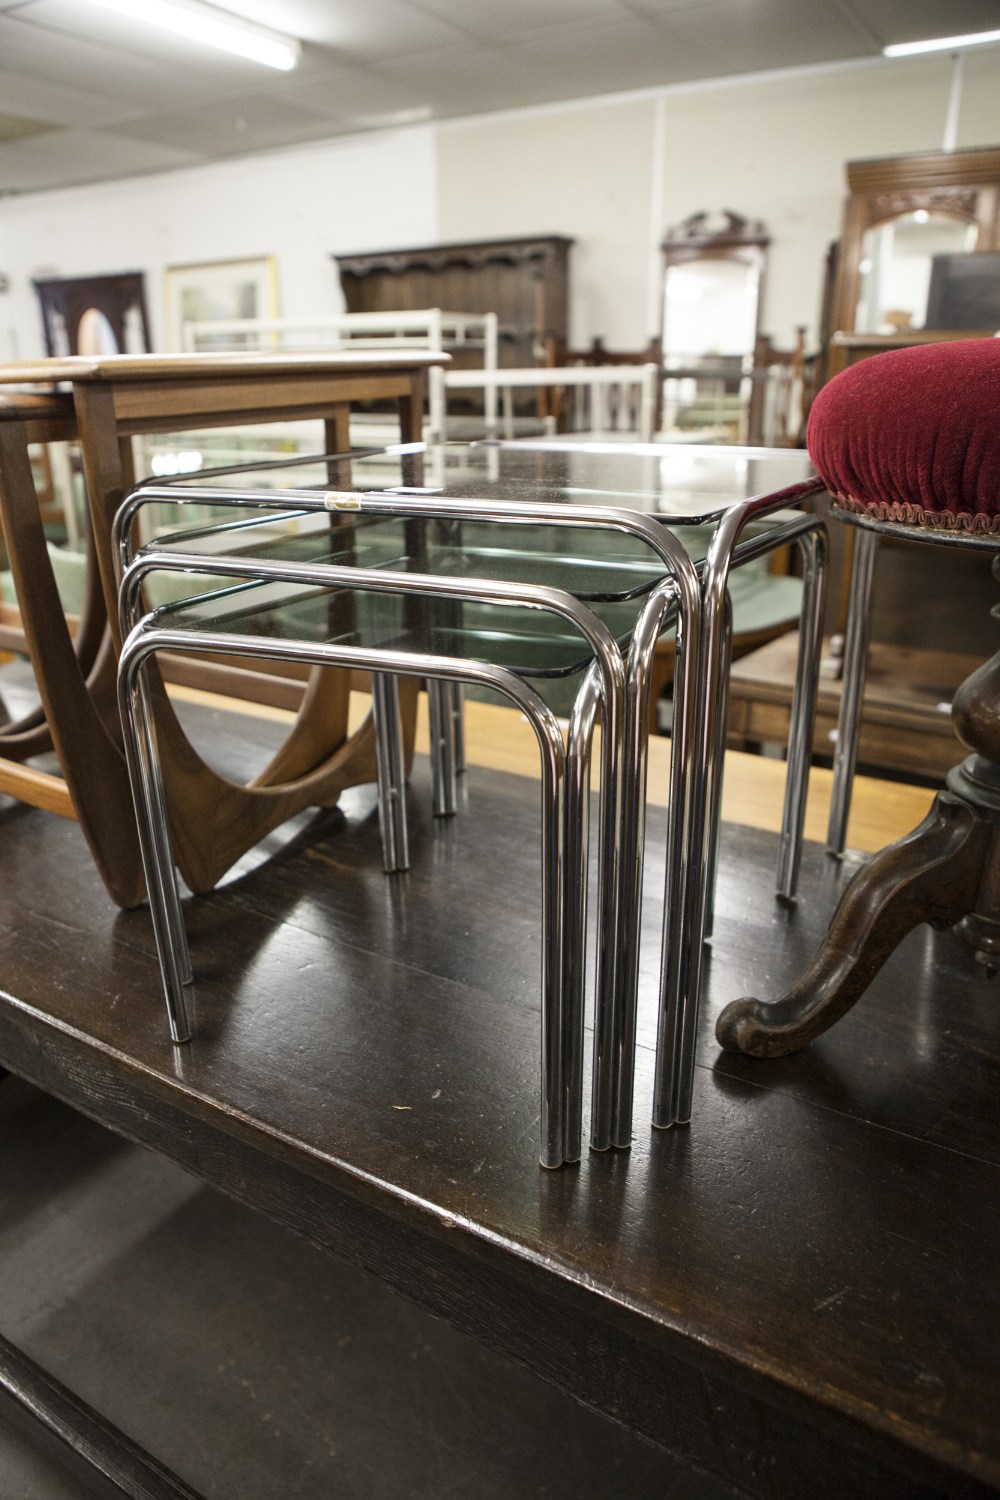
[896, 268]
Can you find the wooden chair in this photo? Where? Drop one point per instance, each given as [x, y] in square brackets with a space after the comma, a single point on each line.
[784, 387]
[560, 404]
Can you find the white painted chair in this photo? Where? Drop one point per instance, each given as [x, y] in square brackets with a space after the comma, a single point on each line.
[603, 406]
[423, 328]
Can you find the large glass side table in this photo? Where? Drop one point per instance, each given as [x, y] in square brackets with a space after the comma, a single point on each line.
[720, 509]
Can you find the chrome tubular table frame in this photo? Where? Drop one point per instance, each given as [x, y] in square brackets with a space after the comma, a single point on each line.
[701, 681]
[444, 699]
[689, 897]
[565, 812]
[617, 987]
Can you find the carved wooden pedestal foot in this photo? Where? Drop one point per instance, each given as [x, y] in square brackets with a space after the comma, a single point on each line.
[946, 872]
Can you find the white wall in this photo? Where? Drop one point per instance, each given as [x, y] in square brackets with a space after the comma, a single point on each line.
[582, 170]
[615, 173]
[300, 205]
[776, 149]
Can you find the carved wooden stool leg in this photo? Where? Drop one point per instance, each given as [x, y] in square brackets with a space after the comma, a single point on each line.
[946, 872]
[932, 875]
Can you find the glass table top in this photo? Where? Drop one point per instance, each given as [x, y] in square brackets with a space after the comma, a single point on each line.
[591, 562]
[303, 511]
[529, 642]
[591, 559]
[682, 483]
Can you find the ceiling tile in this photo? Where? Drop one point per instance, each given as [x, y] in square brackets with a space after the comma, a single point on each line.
[36, 52]
[743, 36]
[18, 128]
[360, 93]
[627, 54]
[920, 20]
[51, 101]
[362, 30]
[358, 25]
[226, 127]
[514, 18]
[65, 157]
[481, 79]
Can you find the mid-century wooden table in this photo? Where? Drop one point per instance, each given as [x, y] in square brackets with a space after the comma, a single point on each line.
[120, 396]
[115, 398]
[798, 1295]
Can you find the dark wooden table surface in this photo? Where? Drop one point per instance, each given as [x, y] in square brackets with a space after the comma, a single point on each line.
[799, 1293]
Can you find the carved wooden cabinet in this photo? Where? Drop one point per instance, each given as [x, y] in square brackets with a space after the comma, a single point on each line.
[524, 281]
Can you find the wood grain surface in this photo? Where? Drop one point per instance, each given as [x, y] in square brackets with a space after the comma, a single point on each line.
[798, 1293]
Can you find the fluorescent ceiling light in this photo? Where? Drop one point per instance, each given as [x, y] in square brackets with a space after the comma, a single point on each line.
[941, 44]
[215, 28]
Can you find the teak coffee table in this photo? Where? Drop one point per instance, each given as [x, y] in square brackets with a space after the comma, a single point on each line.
[114, 399]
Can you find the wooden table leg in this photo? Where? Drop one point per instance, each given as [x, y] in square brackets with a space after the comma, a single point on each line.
[337, 439]
[105, 480]
[214, 821]
[411, 410]
[91, 761]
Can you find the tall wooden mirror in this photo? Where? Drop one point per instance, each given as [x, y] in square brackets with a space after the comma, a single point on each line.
[713, 281]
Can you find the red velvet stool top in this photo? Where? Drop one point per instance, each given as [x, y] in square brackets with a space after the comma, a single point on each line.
[913, 436]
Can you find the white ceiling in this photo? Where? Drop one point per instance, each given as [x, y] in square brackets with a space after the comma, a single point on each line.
[88, 94]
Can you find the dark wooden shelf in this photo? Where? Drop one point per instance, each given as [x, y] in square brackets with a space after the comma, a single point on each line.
[798, 1294]
[524, 280]
[906, 727]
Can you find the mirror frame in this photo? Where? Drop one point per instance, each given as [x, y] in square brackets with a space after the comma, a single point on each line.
[740, 239]
[69, 297]
[963, 185]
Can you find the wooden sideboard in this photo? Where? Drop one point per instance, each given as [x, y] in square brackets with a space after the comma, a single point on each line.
[524, 281]
[906, 727]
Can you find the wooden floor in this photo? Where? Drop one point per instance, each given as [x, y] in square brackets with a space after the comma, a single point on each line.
[500, 739]
[798, 1294]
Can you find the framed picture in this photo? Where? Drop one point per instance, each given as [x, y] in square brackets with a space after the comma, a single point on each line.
[216, 291]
